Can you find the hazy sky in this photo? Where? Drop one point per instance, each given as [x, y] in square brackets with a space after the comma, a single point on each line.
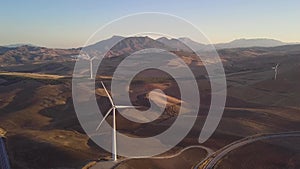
[69, 23]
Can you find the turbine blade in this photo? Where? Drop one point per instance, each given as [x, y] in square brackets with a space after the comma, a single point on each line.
[103, 119]
[93, 58]
[108, 95]
[91, 69]
[128, 107]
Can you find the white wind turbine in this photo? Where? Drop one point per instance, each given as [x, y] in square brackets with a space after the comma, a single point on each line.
[90, 59]
[276, 70]
[113, 109]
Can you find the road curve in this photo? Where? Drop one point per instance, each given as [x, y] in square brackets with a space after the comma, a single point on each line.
[4, 162]
[212, 160]
[208, 150]
[111, 164]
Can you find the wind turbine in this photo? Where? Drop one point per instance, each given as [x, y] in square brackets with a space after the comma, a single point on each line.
[276, 70]
[113, 109]
[90, 59]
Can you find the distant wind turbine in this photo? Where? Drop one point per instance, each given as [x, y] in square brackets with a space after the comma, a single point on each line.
[276, 70]
[113, 109]
[90, 59]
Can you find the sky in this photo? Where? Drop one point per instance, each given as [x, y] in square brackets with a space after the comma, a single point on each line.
[69, 23]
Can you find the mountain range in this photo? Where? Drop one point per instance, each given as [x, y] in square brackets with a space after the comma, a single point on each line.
[120, 46]
[19, 45]
[180, 44]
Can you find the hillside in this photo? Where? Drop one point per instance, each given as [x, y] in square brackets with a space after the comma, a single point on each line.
[30, 54]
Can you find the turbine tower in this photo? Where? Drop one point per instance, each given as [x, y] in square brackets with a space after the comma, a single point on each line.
[91, 66]
[113, 110]
[276, 70]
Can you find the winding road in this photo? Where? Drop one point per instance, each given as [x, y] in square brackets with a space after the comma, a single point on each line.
[111, 164]
[212, 160]
[4, 162]
[208, 150]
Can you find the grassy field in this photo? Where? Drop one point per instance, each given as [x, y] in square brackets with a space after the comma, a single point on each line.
[36, 110]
